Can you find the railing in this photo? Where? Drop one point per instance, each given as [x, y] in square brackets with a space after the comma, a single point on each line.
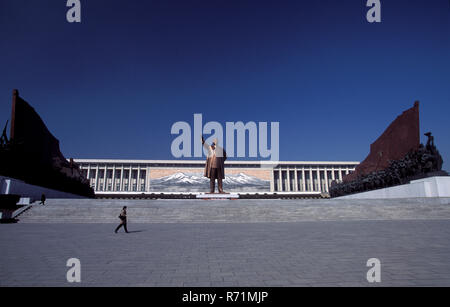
[20, 211]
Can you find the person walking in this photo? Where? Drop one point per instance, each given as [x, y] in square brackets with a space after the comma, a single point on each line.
[123, 220]
[43, 198]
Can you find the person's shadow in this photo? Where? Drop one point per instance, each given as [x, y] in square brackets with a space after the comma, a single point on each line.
[134, 231]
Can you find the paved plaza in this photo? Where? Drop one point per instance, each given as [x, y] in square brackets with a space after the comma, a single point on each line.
[305, 253]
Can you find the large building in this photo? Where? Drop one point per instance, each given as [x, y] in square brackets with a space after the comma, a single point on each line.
[159, 176]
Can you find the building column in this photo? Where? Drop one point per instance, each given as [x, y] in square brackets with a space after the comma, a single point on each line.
[129, 178]
[340, 174]
[272, 180]
[138, 179]
[280, 180]
[104, 177]
[319, 182]
[311, 180]
[288, 179]
[303, 179]
[147, 179]
[121, 179]
[296, 180]
[89, 173]
[113, 179]
[326, 180]
[96, 178]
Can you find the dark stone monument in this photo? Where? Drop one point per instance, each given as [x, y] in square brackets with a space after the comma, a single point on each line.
[396, 157]
[400, 137]
[8, 204]
[32, 153]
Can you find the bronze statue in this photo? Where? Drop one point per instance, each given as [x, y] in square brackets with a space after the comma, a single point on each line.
[430, 141]
[215, 164]
[4, 138]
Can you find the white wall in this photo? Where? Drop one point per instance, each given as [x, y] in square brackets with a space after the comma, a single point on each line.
[427, 187]
[34, 192]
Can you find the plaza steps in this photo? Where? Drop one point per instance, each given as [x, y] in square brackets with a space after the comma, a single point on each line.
[21, 211]
[233, 211]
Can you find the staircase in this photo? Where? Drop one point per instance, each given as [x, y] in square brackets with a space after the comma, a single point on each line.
[20, 211]
[232, 211]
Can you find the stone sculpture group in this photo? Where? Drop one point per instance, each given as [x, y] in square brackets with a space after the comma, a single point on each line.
[424, 162]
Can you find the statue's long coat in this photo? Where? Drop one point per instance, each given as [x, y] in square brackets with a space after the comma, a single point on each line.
[221, 156]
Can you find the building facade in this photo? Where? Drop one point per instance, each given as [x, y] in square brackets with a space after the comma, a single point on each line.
[152, 176]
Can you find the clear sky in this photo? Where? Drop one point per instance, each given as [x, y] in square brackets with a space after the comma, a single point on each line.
[113, 85]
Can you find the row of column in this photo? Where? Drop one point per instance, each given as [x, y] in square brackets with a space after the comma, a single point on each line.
[135, 178]
[131, 178]
[306, 179]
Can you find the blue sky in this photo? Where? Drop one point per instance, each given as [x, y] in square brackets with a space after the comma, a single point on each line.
[113, 85]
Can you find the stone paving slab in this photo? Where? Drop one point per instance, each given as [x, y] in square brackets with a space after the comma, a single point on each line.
[317, 253]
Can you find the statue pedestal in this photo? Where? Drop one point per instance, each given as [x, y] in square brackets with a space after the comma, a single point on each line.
[438, 186]
[217, 196]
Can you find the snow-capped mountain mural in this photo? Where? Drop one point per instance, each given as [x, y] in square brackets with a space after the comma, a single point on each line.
[196, 182]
